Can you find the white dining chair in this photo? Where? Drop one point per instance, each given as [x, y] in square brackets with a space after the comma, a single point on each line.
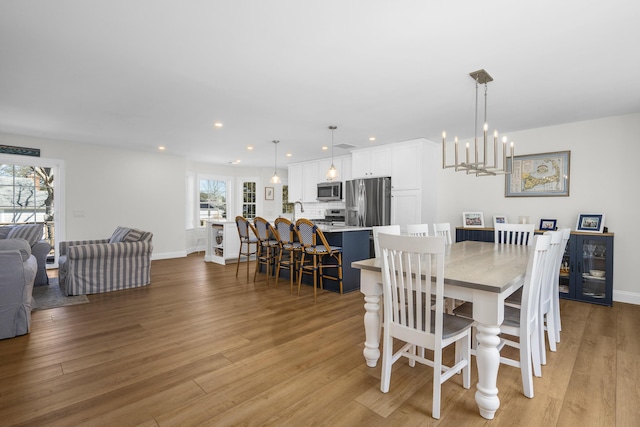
[443, 229]
[386, 229]
[523, 322]
[418, 229]
[409, 318]
[566, 234]
[547, 314]
[514, 234]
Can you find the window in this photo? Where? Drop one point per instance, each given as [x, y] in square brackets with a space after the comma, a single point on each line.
[286, 206]
[26, 196]
[249, 199]
[213, 199]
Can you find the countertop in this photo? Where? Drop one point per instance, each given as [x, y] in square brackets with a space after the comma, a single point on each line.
[325, 228]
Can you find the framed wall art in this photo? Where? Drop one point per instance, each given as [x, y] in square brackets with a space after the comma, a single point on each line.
[473, 219]
[538, 175]
[268, 193]
[590, 222]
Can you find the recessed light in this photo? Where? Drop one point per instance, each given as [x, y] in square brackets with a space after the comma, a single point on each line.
[218, 124]
[289, 154]
[162, 148]
[325, 147]
[373, 138]
[250, 147]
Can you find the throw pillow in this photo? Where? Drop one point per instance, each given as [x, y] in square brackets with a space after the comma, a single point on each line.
[17, 244]
[119, 235]
[4, 231]
[32, 233]
[134, 235]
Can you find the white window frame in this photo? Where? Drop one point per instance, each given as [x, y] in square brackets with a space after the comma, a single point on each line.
[58, 167]
[196, 196]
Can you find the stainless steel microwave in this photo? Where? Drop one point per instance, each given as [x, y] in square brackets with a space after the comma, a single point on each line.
[329, 191]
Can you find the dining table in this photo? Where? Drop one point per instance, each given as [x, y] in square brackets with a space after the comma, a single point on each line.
[480, 272]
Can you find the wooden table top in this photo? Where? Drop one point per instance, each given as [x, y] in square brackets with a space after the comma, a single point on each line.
[477, 265]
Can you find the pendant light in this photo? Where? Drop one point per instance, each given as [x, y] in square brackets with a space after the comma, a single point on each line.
[275, 179]
[332, 173]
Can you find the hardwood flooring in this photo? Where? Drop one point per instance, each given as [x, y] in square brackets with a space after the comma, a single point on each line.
[200, 347]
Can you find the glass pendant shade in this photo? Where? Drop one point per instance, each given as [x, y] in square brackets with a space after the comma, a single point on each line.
[332, 173]
[275, 179]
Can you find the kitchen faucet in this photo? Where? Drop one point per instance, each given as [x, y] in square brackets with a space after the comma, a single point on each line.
[294, 209]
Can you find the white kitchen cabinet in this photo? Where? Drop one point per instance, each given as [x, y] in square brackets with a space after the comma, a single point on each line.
[294, 179]
[406, 208]
[303, 178]
[407, 163]
[309, 181]
[325, 164]
[370, 162]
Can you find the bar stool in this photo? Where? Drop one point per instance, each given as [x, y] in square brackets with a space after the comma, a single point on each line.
[315, 245]
[289, 249]
[247, 234]
[267, 246]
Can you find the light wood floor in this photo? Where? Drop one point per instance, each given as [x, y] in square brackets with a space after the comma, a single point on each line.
[200, 347]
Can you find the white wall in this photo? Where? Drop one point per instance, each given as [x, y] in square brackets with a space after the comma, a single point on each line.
[112, 187]
[603, 179]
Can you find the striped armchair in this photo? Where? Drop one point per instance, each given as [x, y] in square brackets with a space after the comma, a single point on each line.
[94, 266]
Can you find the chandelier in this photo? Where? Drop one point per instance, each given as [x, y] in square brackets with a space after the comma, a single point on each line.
[478, 163]
[332, 173]
[275, 179]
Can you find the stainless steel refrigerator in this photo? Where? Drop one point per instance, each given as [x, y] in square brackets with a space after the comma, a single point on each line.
[368, 202]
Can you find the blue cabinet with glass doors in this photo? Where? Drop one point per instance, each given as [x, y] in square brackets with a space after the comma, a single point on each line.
[586, 272]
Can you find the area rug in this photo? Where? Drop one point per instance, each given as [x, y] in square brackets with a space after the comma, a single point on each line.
[52, 296]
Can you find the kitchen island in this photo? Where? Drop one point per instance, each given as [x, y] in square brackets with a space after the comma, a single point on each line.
[355, 243]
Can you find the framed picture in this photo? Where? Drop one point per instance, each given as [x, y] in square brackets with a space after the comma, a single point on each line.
[538, 175]
[268, 193]
[548, 224]
[590, 222]
[472, 219]
[500, 219]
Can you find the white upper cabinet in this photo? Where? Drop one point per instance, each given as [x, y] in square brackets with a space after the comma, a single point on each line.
[304, 177]
[407, 161]
[370, 162]
[294, 179]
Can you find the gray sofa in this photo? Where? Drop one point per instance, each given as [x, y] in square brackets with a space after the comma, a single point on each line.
[17, 273]
[93, 266]
[40, 248]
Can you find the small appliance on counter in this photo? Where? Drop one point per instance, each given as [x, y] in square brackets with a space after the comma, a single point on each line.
[332, 217]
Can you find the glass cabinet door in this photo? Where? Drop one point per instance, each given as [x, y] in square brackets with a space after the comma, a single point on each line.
[565, 270]
[594, 269]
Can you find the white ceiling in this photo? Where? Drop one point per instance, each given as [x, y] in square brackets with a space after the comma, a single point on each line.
[144, 73]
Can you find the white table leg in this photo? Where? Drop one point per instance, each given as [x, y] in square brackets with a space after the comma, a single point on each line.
[372, 330]
[371, 287]
[488, 360]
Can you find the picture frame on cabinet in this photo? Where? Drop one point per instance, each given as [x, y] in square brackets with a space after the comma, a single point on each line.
[590, 222]
[548, 224]
[500, 219]
[268, 193]
[473, 219]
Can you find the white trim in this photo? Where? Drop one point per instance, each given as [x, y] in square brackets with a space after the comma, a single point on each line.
[627, 297]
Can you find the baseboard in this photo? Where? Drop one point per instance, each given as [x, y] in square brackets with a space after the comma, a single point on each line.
[168, 255]
[628, 297]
